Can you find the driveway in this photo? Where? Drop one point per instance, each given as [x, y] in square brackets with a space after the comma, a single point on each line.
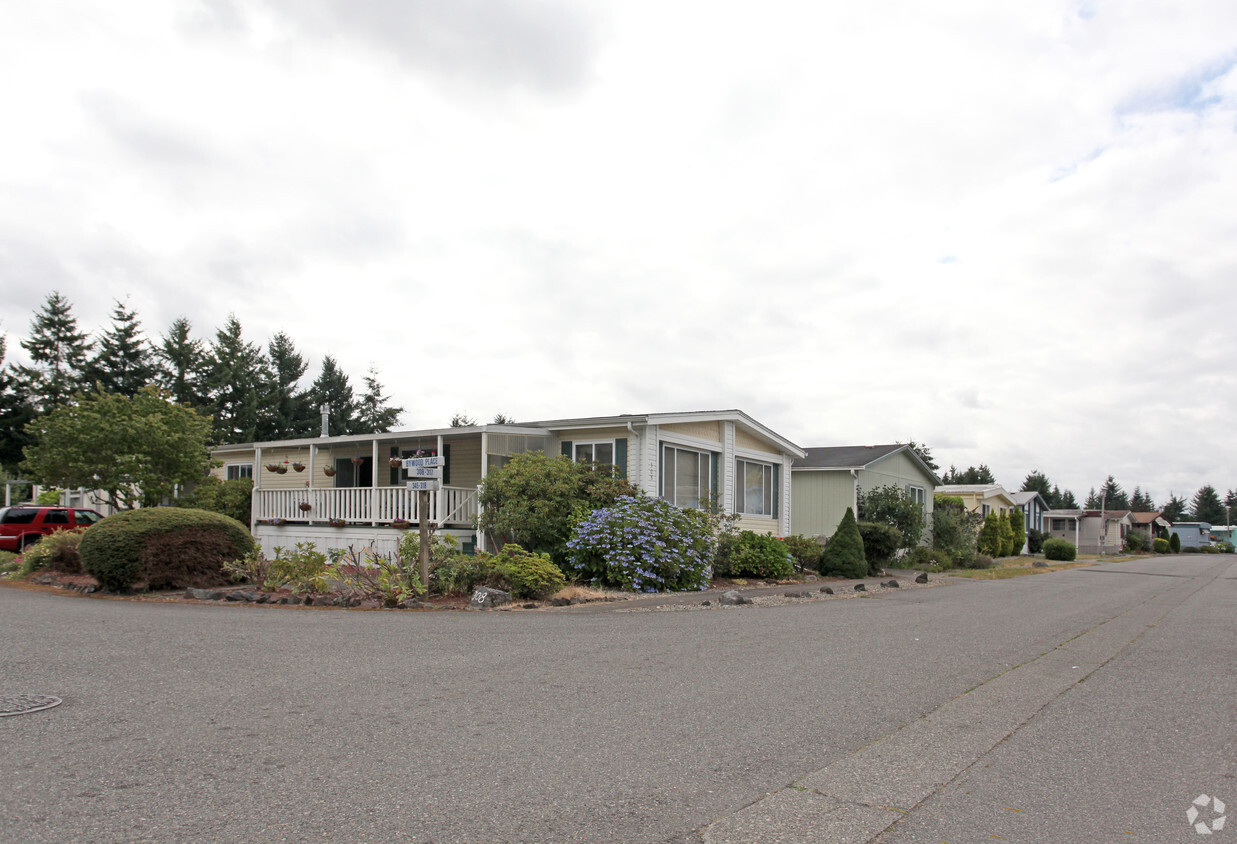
[1091, 704]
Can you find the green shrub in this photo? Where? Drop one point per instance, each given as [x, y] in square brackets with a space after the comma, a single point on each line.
[10, 563]
[805, 550]
[955, 529]
[1035, 541]
[1174, 543]
[1006, 531]
[893, 506]
[644, 544]
[880, 543]
[977, 561]
[1191, 549]
[232, 498]
[303, 569]
[1059, 549]
[49, 497]
[761, 555]
[1017, 524]
[928, 559]
[387, 578]
[843, 556]
[1135, 542]
[163, 547]
[461, 574]
[56, 551]
[528, 575]
[989, 541]
[1159, 545]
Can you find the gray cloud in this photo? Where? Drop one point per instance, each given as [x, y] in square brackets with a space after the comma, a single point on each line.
[544, 45]
[142, 136]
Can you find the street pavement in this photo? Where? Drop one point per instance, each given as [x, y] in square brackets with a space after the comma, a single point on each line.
[1086, 705]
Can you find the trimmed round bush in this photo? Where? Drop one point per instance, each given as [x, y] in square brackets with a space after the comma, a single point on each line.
[880, 543]
[1059, 549]
[530, 575]
[1159, 545]
[761, 555]
[163, 547]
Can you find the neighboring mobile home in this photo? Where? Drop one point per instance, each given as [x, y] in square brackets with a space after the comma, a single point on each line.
[981, 498]
[1192, 534]
[825, 481]
[1091, 531]
[356, 481]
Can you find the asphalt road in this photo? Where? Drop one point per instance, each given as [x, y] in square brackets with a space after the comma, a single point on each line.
[1088, 705]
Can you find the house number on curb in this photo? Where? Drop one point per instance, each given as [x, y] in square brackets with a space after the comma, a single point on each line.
[21, 704]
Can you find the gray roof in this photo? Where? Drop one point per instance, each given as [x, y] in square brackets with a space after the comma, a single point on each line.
[843, 457]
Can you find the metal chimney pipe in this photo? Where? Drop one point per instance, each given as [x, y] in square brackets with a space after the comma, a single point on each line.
[326, 418]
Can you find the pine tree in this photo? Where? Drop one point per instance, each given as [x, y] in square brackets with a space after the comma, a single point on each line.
[123, 363]
[1056, 501]
[15, 414]
[1112, 496]
[58, 353]
[237, 378]
[286, 411]
[843, 555]
[1068, 501]
[1141, 502]
[1093, 500]
[1207, 507]
[1037, 481]
[331, 388]
[990, 536]
[1006, 533]
[1174, 543]
[373, 414]
[1017, 524]
[924, 453]
[185, 367]
[980, 474]
[1174, 511]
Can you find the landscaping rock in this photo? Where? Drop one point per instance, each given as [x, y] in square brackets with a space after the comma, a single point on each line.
[410, 604]
[706, 603]
[892, 584]
[809, 578]
[922, 577]
[859, 587]
[733, 599]
[203, 594]
[828, 590]
[800, 593]
[370, 604]
[1039, 564]
[242, 595]
[560, 602]
[529, 606]
[486, 598]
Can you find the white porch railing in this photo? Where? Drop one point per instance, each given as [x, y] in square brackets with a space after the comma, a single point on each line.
[364, 505]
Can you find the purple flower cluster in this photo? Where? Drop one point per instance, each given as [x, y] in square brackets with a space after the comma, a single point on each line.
[643, 544]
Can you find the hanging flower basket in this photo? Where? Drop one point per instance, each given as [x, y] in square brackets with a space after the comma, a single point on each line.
[305, 506]
[272, 467]
[397, 462]
[357, 461]
[336, 523]
[329, 472]
[281, 469]
[300, 467]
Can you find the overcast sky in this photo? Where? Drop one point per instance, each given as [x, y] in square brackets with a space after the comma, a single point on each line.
[1005, 230]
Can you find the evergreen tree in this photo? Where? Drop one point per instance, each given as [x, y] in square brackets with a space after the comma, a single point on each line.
[332, 388]
[502, 419]
[185, 366]
[980, 474]
[1037, 481]
[58, 354]
[1093, 500]
[123, 363]
[1068, 501]
[1006, 532]
[843, 555]
[286, 411]
[236, 382]
[15, 414]
[463, 420]
[1207, 507]
[1056, 501]
[990, 536]
[1174, 543]
[1140, 502]
[373, 414]
[1017, 524]
[1175, 510]
[925, 454]
[1230, 502]
[1112, 496]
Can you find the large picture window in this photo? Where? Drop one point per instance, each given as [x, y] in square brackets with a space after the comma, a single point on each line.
[686, 475]
[236, 471]
[757, 481]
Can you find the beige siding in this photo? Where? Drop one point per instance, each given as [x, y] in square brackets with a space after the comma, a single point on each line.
[221, 471]
[466, 462]
[292, 479]
[745, 440]
[585, 435]
[711, 431]
[819, 500]
[757, 524]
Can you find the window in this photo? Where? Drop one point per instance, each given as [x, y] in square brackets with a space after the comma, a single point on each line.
[756, 498]
[236, 471]
[56, 517]
[1060, 524]
[598, 452]
[686, 475]
[18, 516]
[919, 495]
[85, 517]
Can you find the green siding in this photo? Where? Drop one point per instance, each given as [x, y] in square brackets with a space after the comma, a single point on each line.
[819, 500]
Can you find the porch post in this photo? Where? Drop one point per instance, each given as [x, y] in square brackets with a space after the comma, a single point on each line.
[485, 465]
[373, 482]
[255, 502]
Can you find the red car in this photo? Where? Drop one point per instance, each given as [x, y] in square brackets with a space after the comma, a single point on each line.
[23, 526]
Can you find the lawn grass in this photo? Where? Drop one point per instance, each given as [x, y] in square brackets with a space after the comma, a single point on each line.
[1013, 569]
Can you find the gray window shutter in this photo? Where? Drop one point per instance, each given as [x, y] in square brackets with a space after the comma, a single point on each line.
[777, 490]
[567, 452]
[620, 456]
[446, 463]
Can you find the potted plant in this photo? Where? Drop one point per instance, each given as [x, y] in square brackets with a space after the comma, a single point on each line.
[272, 467]
[282, 469]
[357, 461]
[305, 506]
[336, 522]
[401, 524]
[397, 462]
[328, 471]
[278, 522]
[298, 466]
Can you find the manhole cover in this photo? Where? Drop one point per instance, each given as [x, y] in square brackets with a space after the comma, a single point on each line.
[20, 704]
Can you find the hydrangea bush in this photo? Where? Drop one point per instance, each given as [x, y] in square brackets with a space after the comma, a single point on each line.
[643, 544]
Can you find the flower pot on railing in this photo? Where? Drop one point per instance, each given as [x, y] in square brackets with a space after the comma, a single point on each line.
[300, 467]
[278, 522]
[305, 506]
[329, 472]
[401, 524]
[336, 522]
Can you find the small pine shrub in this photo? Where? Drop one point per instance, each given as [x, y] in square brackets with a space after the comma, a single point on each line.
[880, 543]
[1035, 540]
[1059, 549]
[990, 536]
[1159, 545]
[805, 549]
[1006, 533]
[163, 547]
[761, 555]
[529, 575]
[1017, 523]
[1174, 544]
[843, 556]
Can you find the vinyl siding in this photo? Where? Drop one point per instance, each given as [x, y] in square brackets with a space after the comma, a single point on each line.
[711, 431]
[819, 500]
[745, 440]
